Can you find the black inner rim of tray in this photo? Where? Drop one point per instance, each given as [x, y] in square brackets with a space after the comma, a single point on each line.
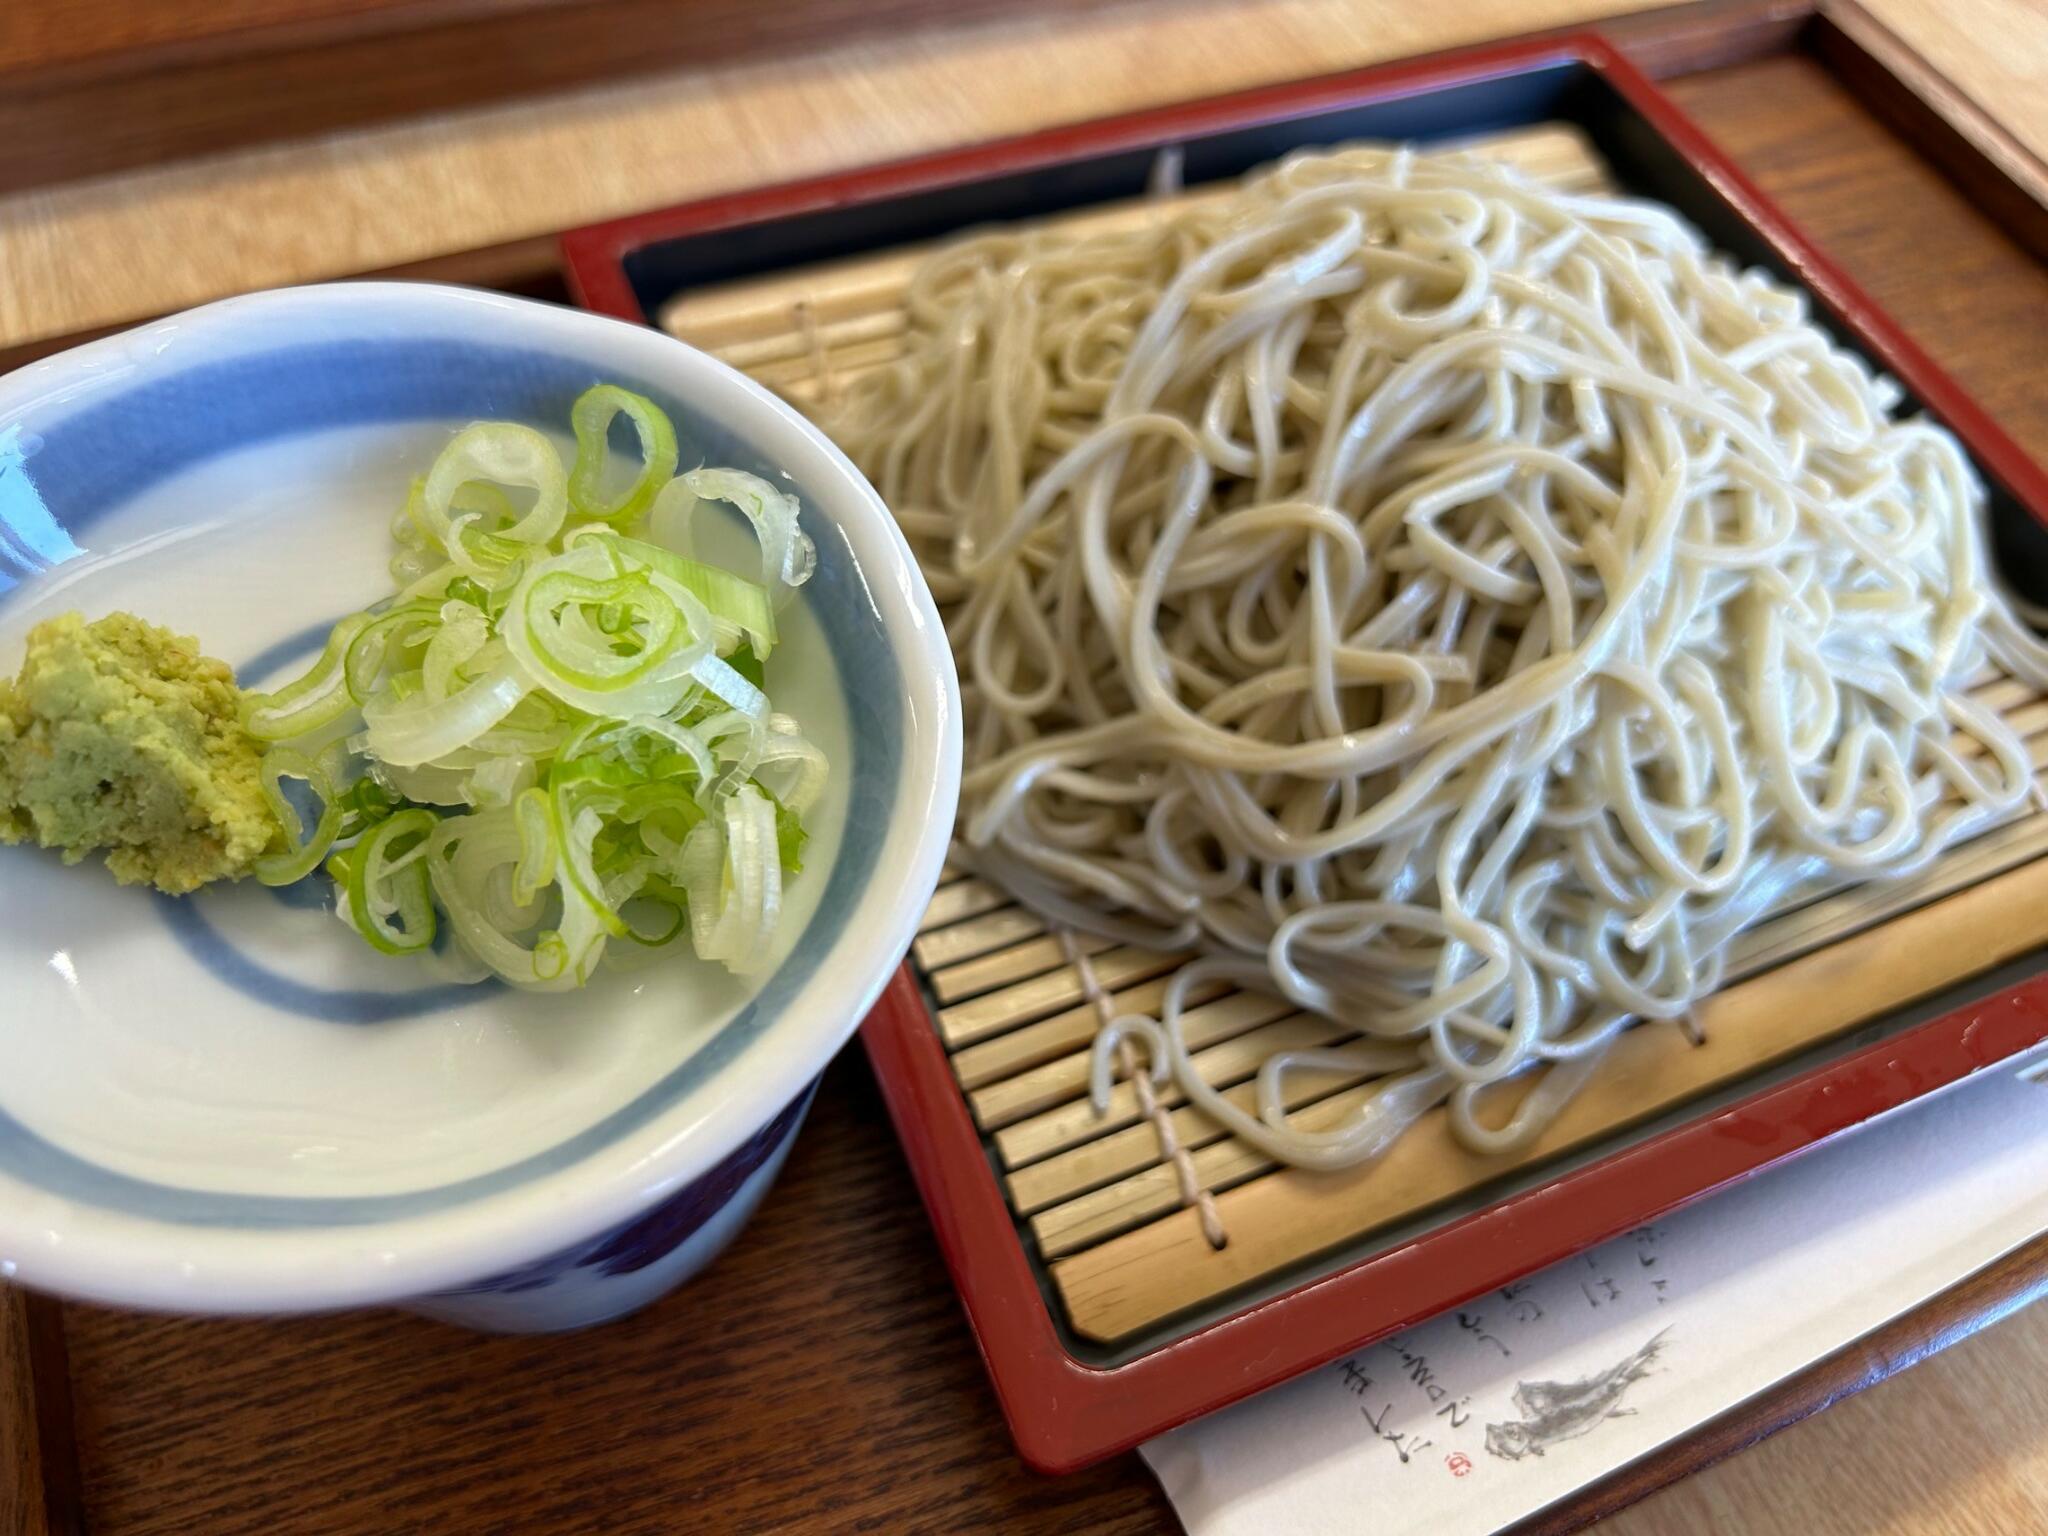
[1643, 162]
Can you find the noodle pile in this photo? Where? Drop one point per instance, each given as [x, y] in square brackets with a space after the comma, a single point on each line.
[1456, 606]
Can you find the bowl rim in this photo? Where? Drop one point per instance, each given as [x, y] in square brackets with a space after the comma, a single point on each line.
[89, 1251]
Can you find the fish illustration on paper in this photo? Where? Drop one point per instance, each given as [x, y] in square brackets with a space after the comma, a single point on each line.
[1552, 1411]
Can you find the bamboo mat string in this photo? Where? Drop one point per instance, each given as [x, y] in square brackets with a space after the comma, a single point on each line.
[806, 315]
[1155, 1113]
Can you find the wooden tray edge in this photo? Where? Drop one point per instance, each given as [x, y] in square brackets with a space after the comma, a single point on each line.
[1661, 44]
[1102, 1410]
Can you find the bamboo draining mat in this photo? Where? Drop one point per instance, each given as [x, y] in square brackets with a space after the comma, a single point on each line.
[1093, 1193]
[805, 332]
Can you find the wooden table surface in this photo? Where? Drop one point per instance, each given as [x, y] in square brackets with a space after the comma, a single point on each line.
[114, 249]
[84, 255]
[820, 1378]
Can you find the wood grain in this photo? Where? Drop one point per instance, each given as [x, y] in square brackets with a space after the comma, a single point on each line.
[39, 1490]
[1994, 57]
[22, 1500]
[1940, 265]
[121, 248]
[116, 249]
[62, 37]
[96, 87]
[1995, 159]
[820, 1377]
[530, 267]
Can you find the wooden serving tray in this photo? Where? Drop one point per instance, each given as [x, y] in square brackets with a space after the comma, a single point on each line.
[1099, 1200]
[984, 1051]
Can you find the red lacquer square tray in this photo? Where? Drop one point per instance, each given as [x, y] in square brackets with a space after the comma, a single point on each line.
[1069, 1403]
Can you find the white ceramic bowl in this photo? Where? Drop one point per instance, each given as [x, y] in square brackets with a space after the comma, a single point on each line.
[227, 1103]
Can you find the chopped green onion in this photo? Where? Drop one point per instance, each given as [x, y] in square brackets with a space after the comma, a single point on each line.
[590, 418]
[302, 854]
[644, 618]
[787, 554]
[363, 804]
[558, 734]
[733, 599]
[657, 892]
[373, 643]
[386, 877]
[310, 702]
[415, 727]
[497, 454]
[538, 848]
[790, 838]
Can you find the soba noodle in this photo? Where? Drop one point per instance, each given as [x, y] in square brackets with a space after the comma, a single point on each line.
[1457, 607]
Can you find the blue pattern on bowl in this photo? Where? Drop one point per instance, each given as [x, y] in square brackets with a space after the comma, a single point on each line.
[211, 950]
[657, 1232]
[126, 440]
